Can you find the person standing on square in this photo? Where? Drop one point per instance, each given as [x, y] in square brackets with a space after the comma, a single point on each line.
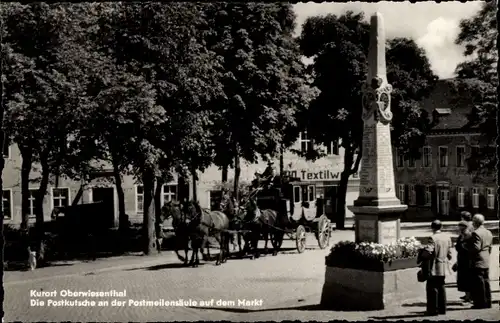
[480, 250]
[439, 251]
[463, 264]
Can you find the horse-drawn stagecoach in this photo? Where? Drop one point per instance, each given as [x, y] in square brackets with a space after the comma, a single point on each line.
[275, 207]
[299, 211]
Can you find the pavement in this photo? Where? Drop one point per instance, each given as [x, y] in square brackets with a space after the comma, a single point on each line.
[284, 287]
[447, 225]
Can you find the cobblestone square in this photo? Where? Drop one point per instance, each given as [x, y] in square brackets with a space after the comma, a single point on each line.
[285, 287]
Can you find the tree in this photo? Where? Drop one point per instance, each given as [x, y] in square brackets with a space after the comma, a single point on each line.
[477, 83]
[264, 81]
[42, 90]
[155, 102]
[339, 46]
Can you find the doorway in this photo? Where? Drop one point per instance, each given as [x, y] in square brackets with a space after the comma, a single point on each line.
[105, 195]
[444, 202]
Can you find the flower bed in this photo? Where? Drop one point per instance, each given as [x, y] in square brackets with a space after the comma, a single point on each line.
[374, 256]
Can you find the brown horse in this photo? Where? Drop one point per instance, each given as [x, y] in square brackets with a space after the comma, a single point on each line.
[260, 222]
[180, 225]
[202, 224]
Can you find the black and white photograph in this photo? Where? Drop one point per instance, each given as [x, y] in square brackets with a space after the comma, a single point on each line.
[249, 161]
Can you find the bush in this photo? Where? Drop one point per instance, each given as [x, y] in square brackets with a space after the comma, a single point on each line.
[349, 252]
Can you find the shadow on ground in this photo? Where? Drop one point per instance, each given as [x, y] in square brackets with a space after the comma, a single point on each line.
[23, 266]
[423, 304]
[419, 313]
[176, 265]
[313, 307]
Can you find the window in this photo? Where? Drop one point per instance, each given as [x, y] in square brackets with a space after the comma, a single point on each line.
[413, 195]
[169, 193]
[215, 198]
[461, 196]
[490, 198]
[60, 197]
[401, 159]
[443, 156]
[296, 194]
[427, 196]
[411, 162]
[304, 142]
[31, 199]
[460, 156]
[305, 194]
[332, 148]
[139, 198]
[7, 204]
[475, 197]
[401, 192]
[427, 157]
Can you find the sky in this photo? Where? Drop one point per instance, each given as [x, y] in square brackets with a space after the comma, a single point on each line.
[433, 26]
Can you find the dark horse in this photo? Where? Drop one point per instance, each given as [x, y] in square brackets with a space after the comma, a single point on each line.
[202, 224]
[235, 213]
[260, 222]
[180, 225]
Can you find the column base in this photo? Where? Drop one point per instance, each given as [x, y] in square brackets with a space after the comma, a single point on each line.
[347, 289]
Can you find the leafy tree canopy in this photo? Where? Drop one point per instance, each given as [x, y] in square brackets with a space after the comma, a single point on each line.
[264, 79]
[339, 46]
[477, 82]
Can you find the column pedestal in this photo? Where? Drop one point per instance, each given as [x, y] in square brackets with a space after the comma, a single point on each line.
[379, 224]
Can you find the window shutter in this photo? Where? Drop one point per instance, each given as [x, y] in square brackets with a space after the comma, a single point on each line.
[496, 201]
[407, 194]
[420, 194]
[453, 199]
[467, 198]
[434, 199]
[482, 200]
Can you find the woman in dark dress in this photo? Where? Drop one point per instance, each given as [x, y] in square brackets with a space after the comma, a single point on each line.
[463, 264]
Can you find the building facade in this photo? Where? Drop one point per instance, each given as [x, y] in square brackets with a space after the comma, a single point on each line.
[100, 189]
[438, 185]
[323, 173]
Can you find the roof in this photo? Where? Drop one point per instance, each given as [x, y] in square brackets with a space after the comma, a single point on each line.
[449, 116]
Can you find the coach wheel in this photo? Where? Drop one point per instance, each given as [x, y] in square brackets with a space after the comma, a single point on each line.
[300, 238]
[323, 232]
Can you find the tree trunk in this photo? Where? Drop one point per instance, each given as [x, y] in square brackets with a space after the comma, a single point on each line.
[79, 194]
[349, 169]
[158, 206]
[195, 188]
[40, 221]
[237, 172]
[2, 237]
[122, 215]
[341, 200]
[27, 160]
[149, 213]
[183, 189]
[282, 162]
[224, 174]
